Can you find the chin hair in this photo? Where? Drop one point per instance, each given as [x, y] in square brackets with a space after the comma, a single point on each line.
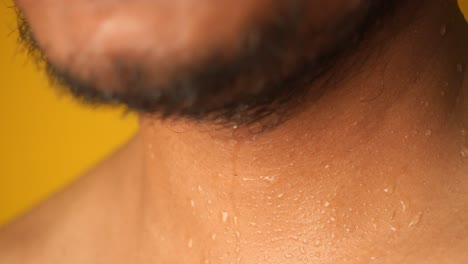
[241, 91]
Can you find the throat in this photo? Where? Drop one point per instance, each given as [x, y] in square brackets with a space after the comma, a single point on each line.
[372, 163]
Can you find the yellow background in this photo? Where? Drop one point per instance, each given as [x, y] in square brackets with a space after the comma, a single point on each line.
[47, 139]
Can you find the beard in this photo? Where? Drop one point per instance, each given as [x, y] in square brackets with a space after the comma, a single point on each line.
[268, 75]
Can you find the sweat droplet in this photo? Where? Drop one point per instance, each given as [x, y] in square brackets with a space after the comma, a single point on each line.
[443, 30]
[190, 243]
[415, 220]
[225, 216]
[428, 133]
[464, 152]
[268, 178]
[326, 204]
[403, 206]
[460, 67]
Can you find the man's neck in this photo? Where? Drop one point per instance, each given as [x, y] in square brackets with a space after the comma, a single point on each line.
[372, 162]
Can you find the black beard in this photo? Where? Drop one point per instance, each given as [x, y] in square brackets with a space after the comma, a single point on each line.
[264, 82]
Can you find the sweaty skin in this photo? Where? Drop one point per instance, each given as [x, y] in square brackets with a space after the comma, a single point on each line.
[373, 171]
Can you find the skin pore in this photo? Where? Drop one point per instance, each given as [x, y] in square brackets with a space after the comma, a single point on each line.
[373, 171]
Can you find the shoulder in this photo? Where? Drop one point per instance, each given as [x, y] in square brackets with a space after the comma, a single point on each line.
[66, 227]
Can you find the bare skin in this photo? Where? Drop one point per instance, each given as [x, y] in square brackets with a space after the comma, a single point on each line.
[375, 171]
